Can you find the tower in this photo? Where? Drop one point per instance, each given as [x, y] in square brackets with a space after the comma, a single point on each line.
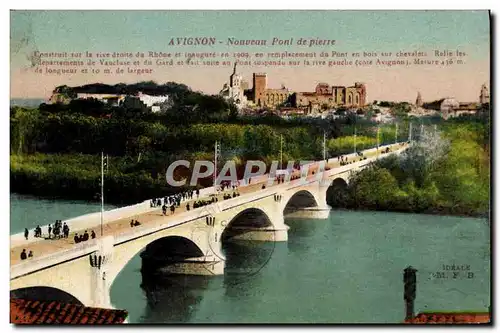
[259, 87]
[484, 97]
[418, 102]
[361, 92]
[234, 79]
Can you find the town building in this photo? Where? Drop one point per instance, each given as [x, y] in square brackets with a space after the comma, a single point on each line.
[235, 90]
[449, 104]
[419, 102]
[484, 96]
[139, 101]
[325, 97]
[150, 100]
[322, 98]
[263, 96]
[109, 99]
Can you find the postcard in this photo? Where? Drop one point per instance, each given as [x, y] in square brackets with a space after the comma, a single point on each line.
[250, 167]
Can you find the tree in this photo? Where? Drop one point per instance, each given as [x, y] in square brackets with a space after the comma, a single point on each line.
[374, 188]
[418, 160]
[233, 111]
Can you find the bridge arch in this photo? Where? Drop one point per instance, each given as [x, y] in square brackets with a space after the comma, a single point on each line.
[174, 248]
[247, 219]
[44, 294]
[299, 200]
[155, 250]
[169, 250]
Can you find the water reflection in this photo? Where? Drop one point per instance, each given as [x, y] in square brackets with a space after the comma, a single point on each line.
[246, 258]
[172, 298]
[249, 264]
[301, 229]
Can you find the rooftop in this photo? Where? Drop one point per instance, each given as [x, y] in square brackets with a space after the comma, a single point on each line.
[451, 318]
[53, 312]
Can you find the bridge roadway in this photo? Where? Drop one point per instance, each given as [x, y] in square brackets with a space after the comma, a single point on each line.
[154, 217]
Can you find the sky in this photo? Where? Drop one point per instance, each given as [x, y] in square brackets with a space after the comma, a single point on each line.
[353, 31]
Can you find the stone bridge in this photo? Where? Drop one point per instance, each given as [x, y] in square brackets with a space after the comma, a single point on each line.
[186, 243]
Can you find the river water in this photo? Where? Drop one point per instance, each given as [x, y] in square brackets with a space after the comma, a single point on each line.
[346, 269]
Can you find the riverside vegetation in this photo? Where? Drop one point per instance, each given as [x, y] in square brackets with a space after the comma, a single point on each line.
[55, 151]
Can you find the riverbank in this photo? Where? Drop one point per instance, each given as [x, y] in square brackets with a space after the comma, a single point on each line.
[57, 155]
[444, 173]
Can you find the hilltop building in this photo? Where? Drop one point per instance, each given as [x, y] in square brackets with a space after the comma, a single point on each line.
[326, 96]
[139, 101]
[235, 90]
[484, 96]
[449, 104]
[263, 96]
[110, 99]
[419, 102]
[260, 95]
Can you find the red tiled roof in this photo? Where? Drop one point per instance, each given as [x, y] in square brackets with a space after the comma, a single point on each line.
[53, 312]
[450, 318]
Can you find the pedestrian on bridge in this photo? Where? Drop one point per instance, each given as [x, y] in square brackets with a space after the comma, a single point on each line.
[197, 193]
[164, 208]
[50, 230]
[85, 236]
[26, 233]
[187, 206]
[76, 238]
[38, 231]
[30, 254]
[172, 209]
[92, 234]
[23, 254]
[66, 230]
[56, 230]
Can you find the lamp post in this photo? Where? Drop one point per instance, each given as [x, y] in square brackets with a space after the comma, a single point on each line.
[324, 146]
[104, 161]
[410, 291]
[378, 140]
[281, 151]
[216, 153]
[355, 141]
[396, 135]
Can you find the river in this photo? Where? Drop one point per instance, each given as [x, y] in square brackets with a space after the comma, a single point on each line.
[346, 269]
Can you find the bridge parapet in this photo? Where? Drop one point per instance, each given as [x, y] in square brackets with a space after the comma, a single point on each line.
[142, 230]
[88, 221]
[38, 263]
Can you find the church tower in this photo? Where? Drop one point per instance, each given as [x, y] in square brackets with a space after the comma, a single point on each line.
[484, 97]
[418, 102]
[234, 79]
